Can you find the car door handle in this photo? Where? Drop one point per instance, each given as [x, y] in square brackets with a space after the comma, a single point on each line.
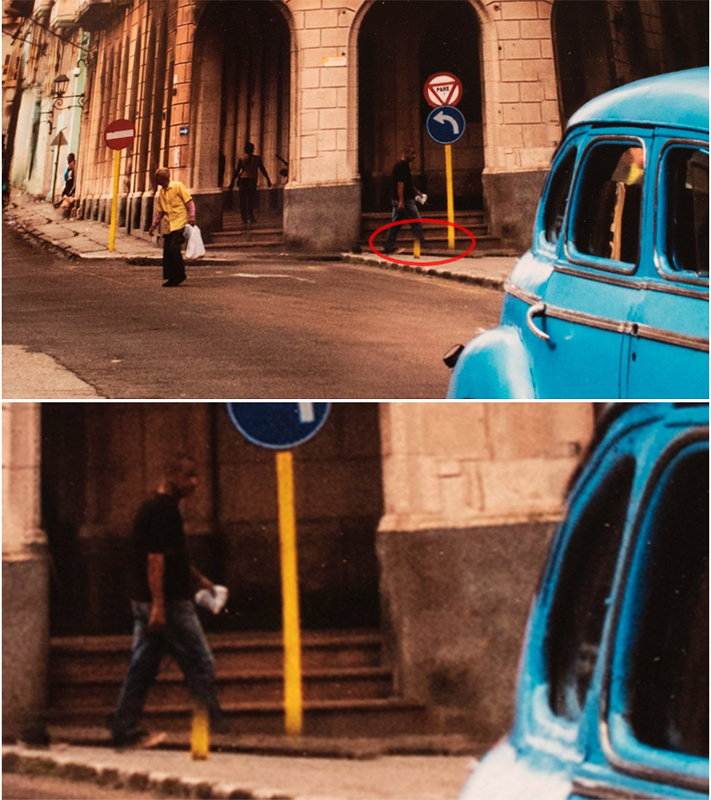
[537, 309]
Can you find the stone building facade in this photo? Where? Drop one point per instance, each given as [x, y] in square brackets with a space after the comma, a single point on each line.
[333, 89]
[426, 521]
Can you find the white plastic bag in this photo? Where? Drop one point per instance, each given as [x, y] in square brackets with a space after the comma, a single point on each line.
[214, 602]
[195, 247]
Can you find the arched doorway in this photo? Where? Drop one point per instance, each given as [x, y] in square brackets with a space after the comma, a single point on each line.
[399, 46]
[99, 462]
[241, 93]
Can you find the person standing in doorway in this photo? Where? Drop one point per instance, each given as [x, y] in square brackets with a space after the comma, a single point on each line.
[173, 202]
[247, 174]
[165, 620]
[403, 200]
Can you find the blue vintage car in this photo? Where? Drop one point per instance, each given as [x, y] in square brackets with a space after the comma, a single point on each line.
[613, 694]
[611, 301]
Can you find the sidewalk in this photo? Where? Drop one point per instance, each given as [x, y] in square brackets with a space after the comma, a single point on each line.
[26, 376]
[89, 240]
[243, 775]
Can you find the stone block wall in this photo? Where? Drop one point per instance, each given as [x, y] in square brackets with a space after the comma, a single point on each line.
[473, 492]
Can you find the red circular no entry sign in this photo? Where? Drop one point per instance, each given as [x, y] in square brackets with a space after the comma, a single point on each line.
[119, 134]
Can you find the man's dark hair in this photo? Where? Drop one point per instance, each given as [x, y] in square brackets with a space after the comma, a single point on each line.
[175, 463]
[249, 148]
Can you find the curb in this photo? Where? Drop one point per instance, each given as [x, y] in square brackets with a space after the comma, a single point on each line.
[449, 274]
[158, 783]
[348, 258]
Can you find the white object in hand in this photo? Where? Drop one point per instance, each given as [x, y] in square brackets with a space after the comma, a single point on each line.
[421, 199]
[213, 602]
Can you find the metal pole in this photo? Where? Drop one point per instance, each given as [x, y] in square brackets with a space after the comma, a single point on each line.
[450, 195]
[114, 201]
[293, 699]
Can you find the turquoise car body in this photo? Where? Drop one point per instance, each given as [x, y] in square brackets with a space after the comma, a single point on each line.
[612, 697]
[580, 322]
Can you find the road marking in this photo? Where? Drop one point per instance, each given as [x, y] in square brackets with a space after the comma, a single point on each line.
[256, 275]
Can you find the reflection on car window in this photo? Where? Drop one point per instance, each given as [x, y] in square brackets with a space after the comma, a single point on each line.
[686, 172]
[669, 678]
[557, 198]
[607, 223]
[578, 609]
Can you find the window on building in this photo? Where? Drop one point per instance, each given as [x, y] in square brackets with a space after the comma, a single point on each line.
[609, 207]
[668, 680]
[583, 588]
[685, 180]
[557, 197]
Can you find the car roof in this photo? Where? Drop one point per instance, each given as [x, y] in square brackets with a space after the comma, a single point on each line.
[678, 99]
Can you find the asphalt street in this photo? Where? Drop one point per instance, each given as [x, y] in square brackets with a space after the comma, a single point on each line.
[257, 329]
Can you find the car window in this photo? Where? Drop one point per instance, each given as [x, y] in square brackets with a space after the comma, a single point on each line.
[669, 678]
[557, 197]
[583, 587]
[609, 203]
[685, 174]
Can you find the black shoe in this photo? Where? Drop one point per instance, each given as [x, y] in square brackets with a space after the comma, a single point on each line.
[175, 283]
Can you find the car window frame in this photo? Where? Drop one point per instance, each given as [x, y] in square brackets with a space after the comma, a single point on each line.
[663, 766]
[661, 262]
[542, 245]
[571, 253]
[542, 718]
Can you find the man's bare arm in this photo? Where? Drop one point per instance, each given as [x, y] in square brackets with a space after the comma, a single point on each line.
[201, 580]
[401, 195]
[156, 571]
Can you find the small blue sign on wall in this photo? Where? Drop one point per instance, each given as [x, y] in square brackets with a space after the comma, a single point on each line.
[446, 124]
[278, 426]
[184, 130]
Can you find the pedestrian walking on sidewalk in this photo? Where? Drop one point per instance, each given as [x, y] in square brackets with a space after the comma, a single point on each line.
[173, 202]
[165, 621]
[247, 175]
[403, 200]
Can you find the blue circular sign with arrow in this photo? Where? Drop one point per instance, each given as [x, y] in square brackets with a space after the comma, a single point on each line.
[446, 124]
[278, 426]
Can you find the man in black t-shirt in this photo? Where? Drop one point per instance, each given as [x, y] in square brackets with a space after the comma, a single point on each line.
[164, 614]
[403, 200]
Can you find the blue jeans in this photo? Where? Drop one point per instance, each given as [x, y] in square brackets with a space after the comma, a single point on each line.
[182, 637]
[409, 212]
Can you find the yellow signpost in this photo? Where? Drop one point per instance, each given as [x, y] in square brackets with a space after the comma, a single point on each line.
[118, 135]
[281, 427]
[114, 201]
[293, 699]
[450, 195]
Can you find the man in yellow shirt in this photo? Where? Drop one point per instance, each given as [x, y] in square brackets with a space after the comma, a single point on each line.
[175, 204]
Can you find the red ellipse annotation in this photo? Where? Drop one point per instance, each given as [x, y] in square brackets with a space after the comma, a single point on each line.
[421, 263]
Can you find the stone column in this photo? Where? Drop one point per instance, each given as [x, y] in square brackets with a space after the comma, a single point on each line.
[322, 198]
[25, 585]
[473, 492]
[522, 121]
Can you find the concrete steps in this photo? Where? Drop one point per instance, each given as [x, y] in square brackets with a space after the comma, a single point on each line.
[347, 689]
[437, 235]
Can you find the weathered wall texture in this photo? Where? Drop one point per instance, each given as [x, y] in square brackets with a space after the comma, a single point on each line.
[25, 585]
[472, 494]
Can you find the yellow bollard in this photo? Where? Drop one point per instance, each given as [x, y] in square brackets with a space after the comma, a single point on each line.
[200, 735]
[417, 249]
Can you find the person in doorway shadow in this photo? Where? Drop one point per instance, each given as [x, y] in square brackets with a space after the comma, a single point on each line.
[246, 175]
[165, 620]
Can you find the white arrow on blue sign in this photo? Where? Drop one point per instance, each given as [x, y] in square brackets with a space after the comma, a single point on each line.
[446, 124]
[278, 426]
